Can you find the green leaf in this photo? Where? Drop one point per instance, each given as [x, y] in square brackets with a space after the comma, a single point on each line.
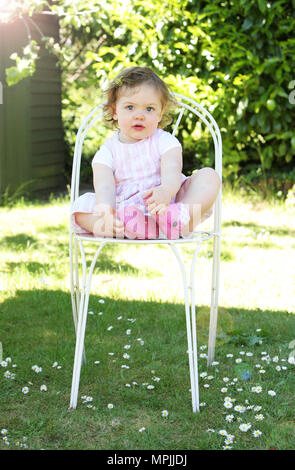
[262, 6]
[270, 104]
[14, 75]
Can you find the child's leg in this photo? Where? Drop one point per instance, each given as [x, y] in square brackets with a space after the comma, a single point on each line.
[135, 224]
[198, 193]
[86, 220]
[99, 226]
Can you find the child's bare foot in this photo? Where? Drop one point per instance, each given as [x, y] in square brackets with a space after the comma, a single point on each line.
[108, 227]
[106, 223]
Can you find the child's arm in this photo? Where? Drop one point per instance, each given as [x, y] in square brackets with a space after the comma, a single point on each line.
[105, 198]
[104, 185]
[159, 198]
[171, 166]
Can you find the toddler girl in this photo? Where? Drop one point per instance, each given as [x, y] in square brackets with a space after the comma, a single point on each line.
[140, 191]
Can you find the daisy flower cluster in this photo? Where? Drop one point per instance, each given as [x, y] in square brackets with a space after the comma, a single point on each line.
[25, 389]
[242, 412]
[123, 359]
[244, 402]
[31, 385]
[5, 436]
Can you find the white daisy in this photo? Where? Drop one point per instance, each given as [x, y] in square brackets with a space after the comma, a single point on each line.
[228, 404]
[229, 418]
[245, 427]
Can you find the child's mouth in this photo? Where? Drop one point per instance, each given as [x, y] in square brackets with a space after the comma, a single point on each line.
[138, 127]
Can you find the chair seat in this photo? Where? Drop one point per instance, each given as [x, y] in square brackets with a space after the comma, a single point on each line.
[198, 236]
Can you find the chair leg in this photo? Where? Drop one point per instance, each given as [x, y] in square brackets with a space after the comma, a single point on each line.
[191, 327]
[73, 281]
[74, 285]
[82, 318]
[194, 325]
[214, 300]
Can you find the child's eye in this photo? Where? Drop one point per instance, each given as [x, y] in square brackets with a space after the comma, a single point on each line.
[149, 108]
[130, 107]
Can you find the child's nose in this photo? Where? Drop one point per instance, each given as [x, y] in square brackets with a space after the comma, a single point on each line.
[139, 114]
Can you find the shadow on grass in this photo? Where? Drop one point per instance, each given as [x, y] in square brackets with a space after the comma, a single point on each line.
[107, 262]
[20, 241]
[33, 267]
[41, 322]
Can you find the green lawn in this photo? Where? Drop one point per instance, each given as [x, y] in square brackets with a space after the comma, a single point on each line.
[137, 301]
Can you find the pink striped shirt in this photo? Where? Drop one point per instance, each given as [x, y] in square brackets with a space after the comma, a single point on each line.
[136, 166]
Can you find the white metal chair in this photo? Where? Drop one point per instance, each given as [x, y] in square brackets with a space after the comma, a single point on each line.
[80, 293]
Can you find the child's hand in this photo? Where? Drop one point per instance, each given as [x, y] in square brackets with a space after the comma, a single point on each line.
[107, 224]
[157, 199]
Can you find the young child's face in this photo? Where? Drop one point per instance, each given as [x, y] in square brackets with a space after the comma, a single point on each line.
[138, 112]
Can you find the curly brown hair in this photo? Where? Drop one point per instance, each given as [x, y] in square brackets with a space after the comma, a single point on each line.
[131, 78]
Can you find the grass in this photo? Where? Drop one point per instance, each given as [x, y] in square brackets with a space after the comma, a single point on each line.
[132, 290]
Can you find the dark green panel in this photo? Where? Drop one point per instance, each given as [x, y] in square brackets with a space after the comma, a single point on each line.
[44, 123]
[45, 99]
[42, 86]
[2, 116]
[47, 74]
[48, 183]
[45, 135]
[31, 131]
[49, 170]
[48, 158]
[15, 130]
[38, 148]
[45, 112]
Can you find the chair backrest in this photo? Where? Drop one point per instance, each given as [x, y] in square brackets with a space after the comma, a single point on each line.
[185, 103]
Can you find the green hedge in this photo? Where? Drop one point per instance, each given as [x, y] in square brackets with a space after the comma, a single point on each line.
[236, 57]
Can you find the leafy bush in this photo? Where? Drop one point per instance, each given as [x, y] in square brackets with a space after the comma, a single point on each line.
[235, 57]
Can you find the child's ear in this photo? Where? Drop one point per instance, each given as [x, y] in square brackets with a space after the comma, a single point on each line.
[161, 114]
[114, 113]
